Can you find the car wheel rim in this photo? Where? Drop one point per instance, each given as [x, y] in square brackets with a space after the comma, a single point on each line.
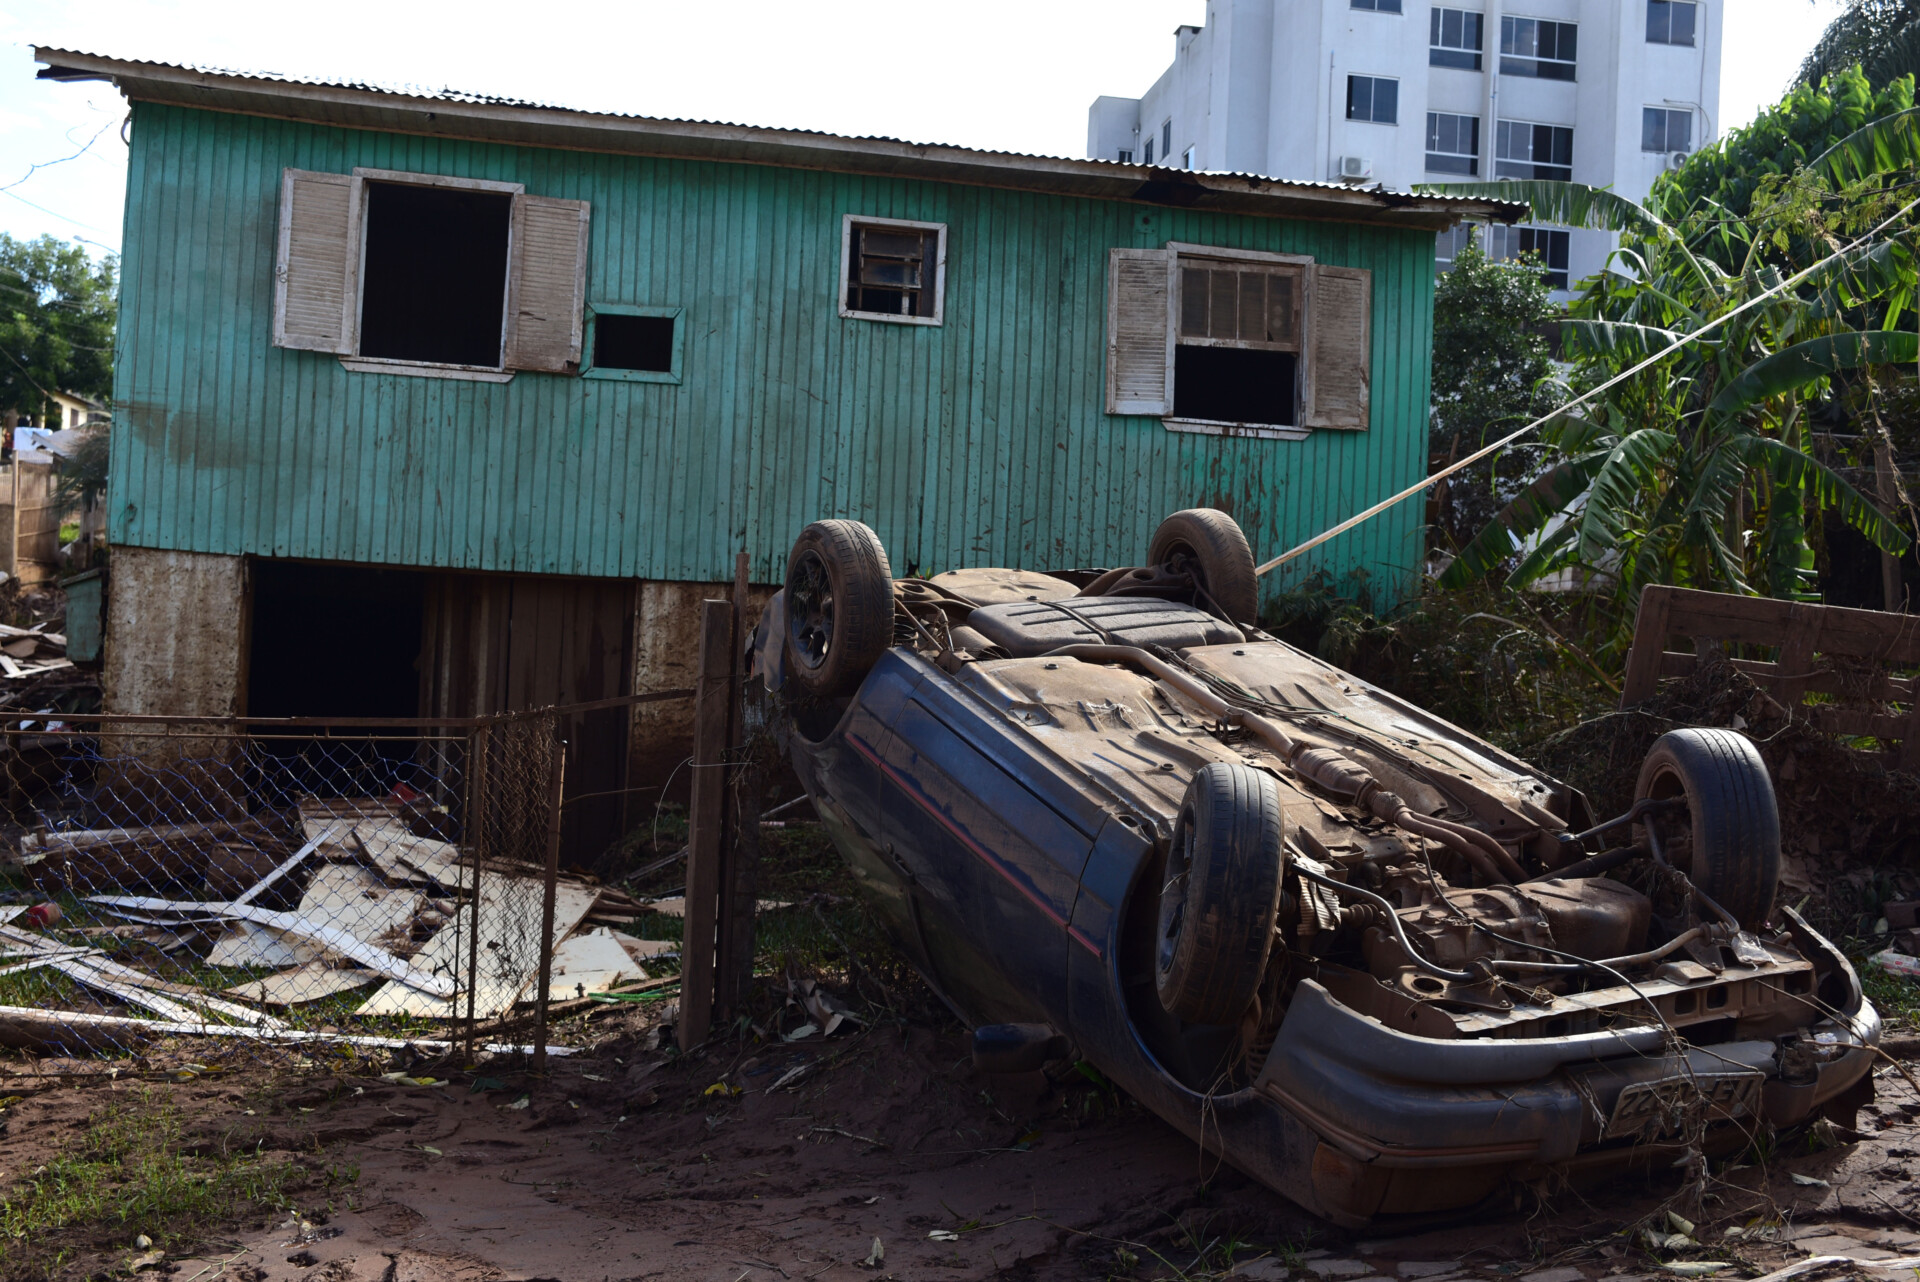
[1676, 834]
[1173, 894]
[1182, 559]
[810, 610]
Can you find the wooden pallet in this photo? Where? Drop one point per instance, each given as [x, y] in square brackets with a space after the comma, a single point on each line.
[1850, 655]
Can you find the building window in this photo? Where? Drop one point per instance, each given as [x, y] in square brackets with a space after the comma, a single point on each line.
[1124, 156]
[1456, 39]
[1373, 98]
[1509, 244]
[1534, 47]
[1192, 155]
[1236, 341]
[1378, 6]
[429, 274]
[1448, 245]
[1149, 159]
[1664, 129]
[1671, 22]
[894, 270]
[1453, 144]
[1522, 150]
[1237, 346]
[1166, 138]
[634, 344]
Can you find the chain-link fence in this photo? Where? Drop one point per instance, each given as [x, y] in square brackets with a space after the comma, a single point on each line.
[369, 883]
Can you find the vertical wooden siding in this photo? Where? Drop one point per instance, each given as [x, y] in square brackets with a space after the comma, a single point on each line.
[981, 441]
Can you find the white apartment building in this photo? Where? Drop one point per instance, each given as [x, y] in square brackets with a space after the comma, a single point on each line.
[1399, 92]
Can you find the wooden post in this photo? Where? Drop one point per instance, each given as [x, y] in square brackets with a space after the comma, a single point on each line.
[474, 827]
[1649, 643]
[556, 786]
[706, 848]
[1892, 592]
[734, 970]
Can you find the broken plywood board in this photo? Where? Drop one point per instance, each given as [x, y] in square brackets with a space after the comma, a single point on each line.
[308, 983]
[590, 963]
[405, 856]
[344, 896]
[509, 949]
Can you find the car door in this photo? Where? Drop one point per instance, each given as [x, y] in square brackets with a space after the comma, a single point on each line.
[994, 838]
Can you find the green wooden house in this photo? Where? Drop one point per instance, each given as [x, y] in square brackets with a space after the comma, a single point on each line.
[439, 404]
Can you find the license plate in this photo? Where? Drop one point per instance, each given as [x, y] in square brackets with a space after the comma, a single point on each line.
[1649, 1109]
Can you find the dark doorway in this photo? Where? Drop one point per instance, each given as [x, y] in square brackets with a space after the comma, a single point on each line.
[434, 284]
[335, 641]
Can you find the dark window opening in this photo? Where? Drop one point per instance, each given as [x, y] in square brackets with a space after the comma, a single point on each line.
[891, 270]
[1235, 385]
[434, 279]
[633, 342]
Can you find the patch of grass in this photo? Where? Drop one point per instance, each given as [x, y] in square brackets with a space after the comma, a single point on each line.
[126, 1174]
[1896, 998]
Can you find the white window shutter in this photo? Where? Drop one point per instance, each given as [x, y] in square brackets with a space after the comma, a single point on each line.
[1140, 332]
[1339, 347]
[317, 265]
[546, 284]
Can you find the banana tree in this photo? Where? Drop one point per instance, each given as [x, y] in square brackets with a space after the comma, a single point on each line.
[1697, 470]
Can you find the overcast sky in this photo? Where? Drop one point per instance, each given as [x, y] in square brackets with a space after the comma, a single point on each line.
[1015, 75]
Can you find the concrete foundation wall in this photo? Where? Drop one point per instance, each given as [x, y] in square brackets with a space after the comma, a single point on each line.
[666, 656]
[176, 634]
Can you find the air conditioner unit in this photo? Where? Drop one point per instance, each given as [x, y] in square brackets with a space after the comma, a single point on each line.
[1676, 159]
[1355, 169]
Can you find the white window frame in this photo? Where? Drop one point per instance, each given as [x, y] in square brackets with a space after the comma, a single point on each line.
[1666, 127]
[1500, 41]
[1473, 171]
[1698, 22]
[847, 223]
[1303, 387]
[1529, 124]
[1479, 55]
[1375, 79]
[426, 369]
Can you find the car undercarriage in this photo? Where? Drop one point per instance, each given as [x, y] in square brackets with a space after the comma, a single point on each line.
[1372, 959]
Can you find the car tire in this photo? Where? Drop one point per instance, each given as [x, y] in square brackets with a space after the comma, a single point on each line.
[839, 604]
[1735, 852]
[1216, 553]
[1219, 894]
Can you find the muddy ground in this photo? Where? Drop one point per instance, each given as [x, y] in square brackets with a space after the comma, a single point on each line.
[886, 1158]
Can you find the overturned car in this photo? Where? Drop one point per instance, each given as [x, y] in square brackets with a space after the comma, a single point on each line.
[1370, 959]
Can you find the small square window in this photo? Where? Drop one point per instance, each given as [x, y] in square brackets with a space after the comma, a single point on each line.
[633, 344]
[894, 270]
[1124, 156]
[1662, 129]
[1455, 39]
[1378, 6]
[1373, 98]
[1671, 22]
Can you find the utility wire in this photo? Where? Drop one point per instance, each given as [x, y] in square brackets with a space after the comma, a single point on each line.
[48, 164]
[1577, 401]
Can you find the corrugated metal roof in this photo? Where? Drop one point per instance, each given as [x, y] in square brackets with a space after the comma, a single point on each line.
[488, 117]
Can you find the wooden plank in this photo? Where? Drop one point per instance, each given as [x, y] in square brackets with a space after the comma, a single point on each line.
[329, 936]
[549, 890]
[62, 1019]
[1794, 668]
[507, 942]
[308, 983]
[1651, 626]
[1857, 721]
[706, 814]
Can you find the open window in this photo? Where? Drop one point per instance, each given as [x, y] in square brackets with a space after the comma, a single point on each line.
[429, 274]
[893, 270]
[1221, 340]
[633, 344]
